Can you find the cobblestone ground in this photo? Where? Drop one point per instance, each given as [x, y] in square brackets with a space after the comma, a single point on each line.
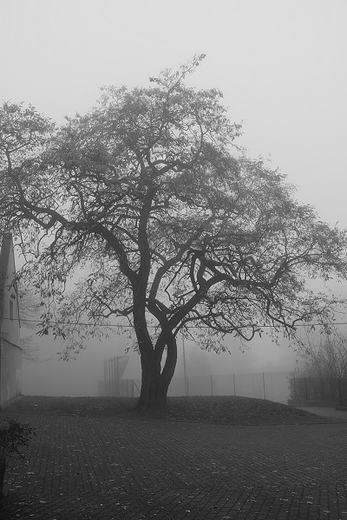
[109, 468]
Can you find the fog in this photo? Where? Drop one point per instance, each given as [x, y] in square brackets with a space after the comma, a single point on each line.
[50, 376]
[282, 69]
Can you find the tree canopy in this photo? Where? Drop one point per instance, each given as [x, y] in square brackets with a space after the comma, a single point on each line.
[173, 226]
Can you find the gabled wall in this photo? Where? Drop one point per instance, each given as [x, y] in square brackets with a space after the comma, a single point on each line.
[11, 353]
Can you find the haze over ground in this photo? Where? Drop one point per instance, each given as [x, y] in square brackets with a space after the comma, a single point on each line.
[281, 67]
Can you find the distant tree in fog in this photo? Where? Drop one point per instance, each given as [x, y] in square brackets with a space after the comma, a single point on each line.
[174, 228]
[324, 357]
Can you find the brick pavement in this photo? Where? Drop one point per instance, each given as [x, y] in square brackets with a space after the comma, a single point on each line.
[112, 468]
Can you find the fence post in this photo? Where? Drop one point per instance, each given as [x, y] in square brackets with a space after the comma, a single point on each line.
[339, 390]
[264, 390]
[187, 386]
[294, 387]
[186, 389]
[117, 376]
[211, 377]
[114, 391]
[109, 387]
[305, 388]
[110, 376]
[234, 384]
[343, 381]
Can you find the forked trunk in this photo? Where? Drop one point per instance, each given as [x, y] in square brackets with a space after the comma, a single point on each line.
[155, 382]
[154, 390]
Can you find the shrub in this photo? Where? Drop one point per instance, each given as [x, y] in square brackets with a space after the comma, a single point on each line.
[13, 437]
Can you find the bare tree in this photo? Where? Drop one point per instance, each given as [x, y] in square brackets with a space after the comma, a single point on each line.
[324, 357]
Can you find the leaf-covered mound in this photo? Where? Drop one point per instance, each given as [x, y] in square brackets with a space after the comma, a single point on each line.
[236, 410]
[201, 409]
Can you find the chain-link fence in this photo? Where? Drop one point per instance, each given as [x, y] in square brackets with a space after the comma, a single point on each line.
[319, 389]
[273, 386]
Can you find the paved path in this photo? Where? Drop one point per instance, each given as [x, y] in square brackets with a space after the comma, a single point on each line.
[109, 468]
[325, 411]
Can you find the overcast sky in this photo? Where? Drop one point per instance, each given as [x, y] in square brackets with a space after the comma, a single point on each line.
[281, 65]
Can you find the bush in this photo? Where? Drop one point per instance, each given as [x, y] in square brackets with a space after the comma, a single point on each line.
[13, 437]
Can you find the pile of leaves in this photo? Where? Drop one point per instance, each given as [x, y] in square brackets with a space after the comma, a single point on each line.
[200, 409]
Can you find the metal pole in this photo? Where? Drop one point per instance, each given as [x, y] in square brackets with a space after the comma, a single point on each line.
[113, 376]
[294, 388]
[118, 382]
[109, 380]
[184, 368]
[264, 385]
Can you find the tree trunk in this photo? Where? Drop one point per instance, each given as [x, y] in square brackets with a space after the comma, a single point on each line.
[154, 390]
[155, 382]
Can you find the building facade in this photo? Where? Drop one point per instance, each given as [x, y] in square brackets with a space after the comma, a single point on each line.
[11, 352]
